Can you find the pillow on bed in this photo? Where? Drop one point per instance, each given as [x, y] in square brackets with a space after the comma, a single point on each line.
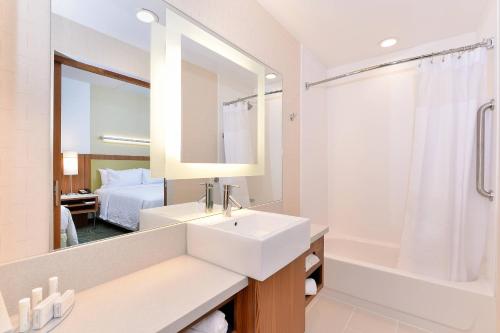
[104, 177]
[147, 179]
[123, 177]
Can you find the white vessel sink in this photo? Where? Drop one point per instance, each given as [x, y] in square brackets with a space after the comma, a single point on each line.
[252, 243]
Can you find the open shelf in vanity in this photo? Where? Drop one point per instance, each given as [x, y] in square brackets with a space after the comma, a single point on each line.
[228, 307]
[316, 272]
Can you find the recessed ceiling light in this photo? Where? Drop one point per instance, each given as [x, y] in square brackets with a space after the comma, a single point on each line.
[271, 76]
[388, 42]
[146, 16]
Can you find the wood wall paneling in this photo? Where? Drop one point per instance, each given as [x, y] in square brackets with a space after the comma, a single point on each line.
[82, 180]
[100, 71]
[57, 158]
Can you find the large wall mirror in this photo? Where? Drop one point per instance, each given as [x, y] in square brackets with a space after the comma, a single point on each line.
[182, 51]
[104, 94]
[216, 81]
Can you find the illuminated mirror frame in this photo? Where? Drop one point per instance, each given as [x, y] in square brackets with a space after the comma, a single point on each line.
[166, 109]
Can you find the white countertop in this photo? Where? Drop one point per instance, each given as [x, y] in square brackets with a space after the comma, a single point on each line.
[165, 297]
[318, 231]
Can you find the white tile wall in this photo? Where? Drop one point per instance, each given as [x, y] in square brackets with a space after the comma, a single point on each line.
[25, 154]
[313, 139]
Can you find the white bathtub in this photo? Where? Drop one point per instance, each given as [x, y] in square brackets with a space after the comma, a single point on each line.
[367, 271]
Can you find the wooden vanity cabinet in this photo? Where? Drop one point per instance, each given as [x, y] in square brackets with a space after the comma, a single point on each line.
[275, 305]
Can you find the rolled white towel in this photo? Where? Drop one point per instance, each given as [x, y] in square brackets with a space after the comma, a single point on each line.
[311, 260]
[311, 287]
[215, 323]
[222, 329]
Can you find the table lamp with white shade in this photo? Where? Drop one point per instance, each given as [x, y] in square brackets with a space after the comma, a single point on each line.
[70, 166]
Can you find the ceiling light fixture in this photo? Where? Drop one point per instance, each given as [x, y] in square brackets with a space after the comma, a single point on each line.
[388, 42]
[125, 140]
[271, 76]
[146, 16]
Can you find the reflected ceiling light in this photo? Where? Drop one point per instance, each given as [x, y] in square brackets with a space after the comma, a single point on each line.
[271, 76]
[125, 140]
[388, 42]
[146, 16]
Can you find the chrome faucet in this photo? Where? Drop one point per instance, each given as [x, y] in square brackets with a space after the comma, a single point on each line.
[208, 197]
[229, 201]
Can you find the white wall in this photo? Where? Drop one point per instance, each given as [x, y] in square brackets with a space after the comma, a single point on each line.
[313, 142]
[370, 127]
[121, 112]
[268, 187]
[75, 116]
[274, 109]
[94, 48]
[25, 150]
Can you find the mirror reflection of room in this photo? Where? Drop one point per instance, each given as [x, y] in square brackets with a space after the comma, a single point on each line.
[101, 115]
[102, 125]
[225, 126]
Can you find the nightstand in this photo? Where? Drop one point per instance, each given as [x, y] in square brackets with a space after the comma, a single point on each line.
[81, 204]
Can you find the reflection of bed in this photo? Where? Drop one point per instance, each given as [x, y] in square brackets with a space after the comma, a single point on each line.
[121, 205]
[68, 230]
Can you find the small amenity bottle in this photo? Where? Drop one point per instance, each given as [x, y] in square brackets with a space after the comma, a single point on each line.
[24, 314]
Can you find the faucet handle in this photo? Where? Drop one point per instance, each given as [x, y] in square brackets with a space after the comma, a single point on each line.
[208, 197]
[208, 186]
[230, 186]
[229, 200]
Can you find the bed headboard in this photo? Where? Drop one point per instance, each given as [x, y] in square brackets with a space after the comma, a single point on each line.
[113, 162]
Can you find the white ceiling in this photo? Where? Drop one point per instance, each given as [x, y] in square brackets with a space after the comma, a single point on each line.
[345, 31]
[116, 18]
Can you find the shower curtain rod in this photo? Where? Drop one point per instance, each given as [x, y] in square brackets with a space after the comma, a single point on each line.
[488, 43]
[250, 97]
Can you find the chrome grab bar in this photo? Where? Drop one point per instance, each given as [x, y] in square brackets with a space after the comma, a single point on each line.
[480, 133]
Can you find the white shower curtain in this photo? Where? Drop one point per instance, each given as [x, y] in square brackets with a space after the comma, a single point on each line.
[446, 220]
[238, 145]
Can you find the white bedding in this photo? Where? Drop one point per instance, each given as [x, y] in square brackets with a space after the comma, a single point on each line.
[68, 230]
[121, 205]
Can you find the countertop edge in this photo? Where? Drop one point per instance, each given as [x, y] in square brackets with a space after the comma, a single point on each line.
[318, 231]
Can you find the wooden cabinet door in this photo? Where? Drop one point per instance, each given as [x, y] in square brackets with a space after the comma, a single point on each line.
[276, 305]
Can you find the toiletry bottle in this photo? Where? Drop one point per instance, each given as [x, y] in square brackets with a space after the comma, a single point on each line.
[24, 314]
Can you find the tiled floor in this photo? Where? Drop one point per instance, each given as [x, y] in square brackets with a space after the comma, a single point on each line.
[325, 315]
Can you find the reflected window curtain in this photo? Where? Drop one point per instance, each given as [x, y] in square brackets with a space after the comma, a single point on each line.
[238, 145]
[446, 220]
